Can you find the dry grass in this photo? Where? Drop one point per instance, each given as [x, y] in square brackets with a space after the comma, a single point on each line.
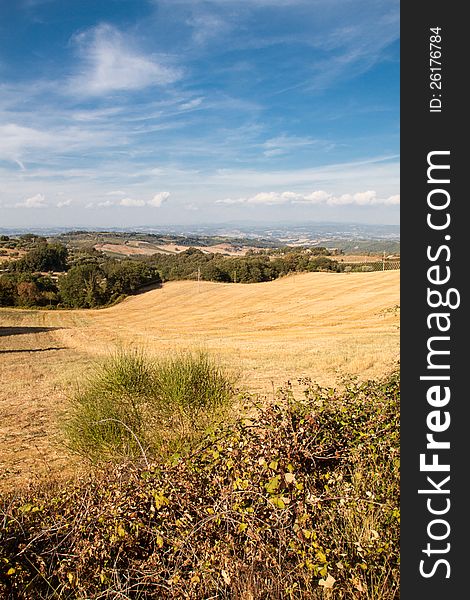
[135, 248]
[358, 258]
[11, 254]
[319, 325]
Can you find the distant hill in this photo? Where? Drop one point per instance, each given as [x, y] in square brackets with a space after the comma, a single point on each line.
[348, 237]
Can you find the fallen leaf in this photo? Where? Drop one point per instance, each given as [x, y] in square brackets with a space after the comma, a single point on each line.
[226, 577]
[357, 584]
[328, 582]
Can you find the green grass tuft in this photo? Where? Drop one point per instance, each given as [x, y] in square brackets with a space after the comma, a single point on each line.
[133, 406]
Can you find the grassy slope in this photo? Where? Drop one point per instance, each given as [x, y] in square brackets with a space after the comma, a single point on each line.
[317, 324]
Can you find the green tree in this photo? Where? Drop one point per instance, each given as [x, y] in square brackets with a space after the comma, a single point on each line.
[7, 291]
[28, 293]
[83, 287]
[127, 276]
[43, 257]
[215, 272]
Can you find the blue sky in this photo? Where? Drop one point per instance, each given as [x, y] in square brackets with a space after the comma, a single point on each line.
[148, 112]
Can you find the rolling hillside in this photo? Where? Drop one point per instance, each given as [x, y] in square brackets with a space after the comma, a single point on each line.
[320, 325]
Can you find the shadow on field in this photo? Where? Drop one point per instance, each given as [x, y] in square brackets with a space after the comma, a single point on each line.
[32, 350]
[146, 288]
[4, 331]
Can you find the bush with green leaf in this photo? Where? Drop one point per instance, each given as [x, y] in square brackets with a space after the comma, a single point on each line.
[298, 501]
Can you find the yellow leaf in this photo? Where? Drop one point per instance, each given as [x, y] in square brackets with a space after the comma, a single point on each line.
[120, 531]
[272, 484]
[11, 571]
[160, 500]
[328, 582]
[278, 502]
[242, 526]
[159, 541]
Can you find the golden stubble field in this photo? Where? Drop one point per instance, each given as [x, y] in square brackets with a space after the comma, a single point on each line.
[321, 325]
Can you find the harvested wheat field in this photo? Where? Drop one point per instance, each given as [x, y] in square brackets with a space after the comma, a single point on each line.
[321, 325]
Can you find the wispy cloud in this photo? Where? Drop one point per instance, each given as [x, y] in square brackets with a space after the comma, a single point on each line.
[17, 142]
[111, 64]
[284, 144]
[207, 26]
[15, 138]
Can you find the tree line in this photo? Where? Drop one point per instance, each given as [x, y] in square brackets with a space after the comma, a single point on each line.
[49, 274]
[251, 268]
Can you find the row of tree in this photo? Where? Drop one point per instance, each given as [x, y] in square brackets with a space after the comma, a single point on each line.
[49, 275]
[193, 263]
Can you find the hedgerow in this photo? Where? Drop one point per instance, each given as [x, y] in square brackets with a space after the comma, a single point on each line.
[300, 500]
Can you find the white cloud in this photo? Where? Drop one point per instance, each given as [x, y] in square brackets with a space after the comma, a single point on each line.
[367, 198]
[63, 203]
[317, 197]
[104, 204]
[395, 199]
[156, 201]
[159, 199]
[36, 201]
[111, 64]
[116, 193]
[131, 202]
